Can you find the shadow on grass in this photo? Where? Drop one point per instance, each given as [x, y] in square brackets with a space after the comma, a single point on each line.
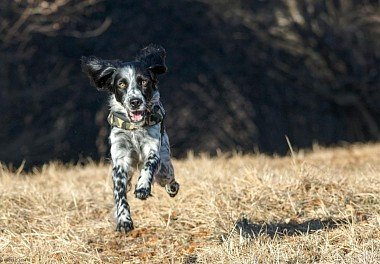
[249, 229]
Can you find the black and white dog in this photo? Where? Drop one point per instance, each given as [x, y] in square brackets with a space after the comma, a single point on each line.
[138, 137]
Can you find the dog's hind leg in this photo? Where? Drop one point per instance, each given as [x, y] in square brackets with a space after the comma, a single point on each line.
[165, 176]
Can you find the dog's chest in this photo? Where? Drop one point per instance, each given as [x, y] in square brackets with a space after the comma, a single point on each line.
[137, 139]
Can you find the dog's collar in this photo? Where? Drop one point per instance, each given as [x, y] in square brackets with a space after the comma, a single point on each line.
[153, 117]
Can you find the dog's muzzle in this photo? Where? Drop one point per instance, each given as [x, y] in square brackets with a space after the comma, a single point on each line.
[136, 116]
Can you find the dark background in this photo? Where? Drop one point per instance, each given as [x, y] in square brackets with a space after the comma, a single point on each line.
[242, 74]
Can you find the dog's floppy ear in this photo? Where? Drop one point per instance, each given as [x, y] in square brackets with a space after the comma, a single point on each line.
[99, 71]
[153, 58]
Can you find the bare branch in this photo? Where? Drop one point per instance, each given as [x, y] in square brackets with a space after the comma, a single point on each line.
[92, 33]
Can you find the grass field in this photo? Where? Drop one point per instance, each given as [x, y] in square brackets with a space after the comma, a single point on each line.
[319, 207]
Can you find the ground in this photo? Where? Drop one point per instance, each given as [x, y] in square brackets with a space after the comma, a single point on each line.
[322, 206]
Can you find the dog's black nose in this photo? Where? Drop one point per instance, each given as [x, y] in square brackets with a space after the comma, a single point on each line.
[135, 102]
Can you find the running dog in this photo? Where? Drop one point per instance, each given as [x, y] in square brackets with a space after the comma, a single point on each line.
[138, 137]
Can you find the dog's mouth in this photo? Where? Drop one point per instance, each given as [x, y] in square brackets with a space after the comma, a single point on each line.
[136, 116]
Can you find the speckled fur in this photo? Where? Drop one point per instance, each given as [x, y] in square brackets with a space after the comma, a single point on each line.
[146, 148]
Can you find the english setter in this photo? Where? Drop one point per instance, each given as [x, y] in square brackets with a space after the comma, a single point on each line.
[138, 137]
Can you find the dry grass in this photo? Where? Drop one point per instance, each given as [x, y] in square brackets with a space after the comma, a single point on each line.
[320, 207]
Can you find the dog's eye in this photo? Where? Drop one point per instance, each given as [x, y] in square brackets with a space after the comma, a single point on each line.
[144, 82]
[122, 85]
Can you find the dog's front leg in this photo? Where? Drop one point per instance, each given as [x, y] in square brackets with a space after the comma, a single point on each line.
[121, 175]
[121, 181]
[150, 167]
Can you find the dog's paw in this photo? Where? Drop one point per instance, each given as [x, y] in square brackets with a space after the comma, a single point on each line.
[142, 193]
[172, 188]
[124, 225]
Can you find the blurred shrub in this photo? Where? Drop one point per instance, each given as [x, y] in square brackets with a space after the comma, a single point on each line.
[242, 74]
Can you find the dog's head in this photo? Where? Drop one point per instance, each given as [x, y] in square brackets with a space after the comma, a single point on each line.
[133, 83]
